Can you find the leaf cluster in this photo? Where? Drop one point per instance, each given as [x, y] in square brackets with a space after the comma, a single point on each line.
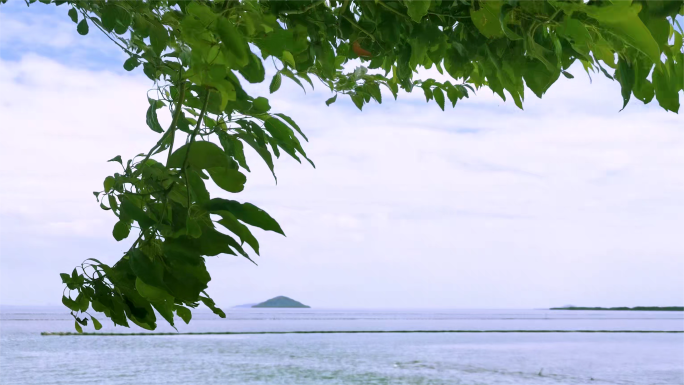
[199, 54]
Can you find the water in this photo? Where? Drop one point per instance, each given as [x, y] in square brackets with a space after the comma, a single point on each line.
[26, 357]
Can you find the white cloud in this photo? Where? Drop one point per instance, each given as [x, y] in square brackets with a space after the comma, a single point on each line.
[569, 201]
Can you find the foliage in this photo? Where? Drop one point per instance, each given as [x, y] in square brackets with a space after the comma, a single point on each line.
[200, 53]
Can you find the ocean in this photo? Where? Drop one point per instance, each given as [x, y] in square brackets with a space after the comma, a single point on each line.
[519, 357]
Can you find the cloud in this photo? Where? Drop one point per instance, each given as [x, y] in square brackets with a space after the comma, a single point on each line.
[569, 201]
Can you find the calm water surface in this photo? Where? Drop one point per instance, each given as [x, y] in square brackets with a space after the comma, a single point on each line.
[26, 357]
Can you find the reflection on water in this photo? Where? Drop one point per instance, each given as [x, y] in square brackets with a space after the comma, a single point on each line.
[28, 358]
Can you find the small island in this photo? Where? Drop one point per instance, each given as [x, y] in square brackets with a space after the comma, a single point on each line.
[637, 308]
[281, 302]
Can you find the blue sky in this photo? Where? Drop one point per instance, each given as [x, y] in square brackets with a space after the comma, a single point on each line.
[569, 201]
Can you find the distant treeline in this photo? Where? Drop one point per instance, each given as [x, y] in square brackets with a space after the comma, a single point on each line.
[638, 308]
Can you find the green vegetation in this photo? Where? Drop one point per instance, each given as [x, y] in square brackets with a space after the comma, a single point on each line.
[198, 54]
[637, 308]
[281, 301]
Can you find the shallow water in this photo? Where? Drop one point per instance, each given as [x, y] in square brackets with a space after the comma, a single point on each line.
[26, 357]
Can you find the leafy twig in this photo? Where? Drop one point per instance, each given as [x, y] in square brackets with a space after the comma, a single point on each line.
[106, 33]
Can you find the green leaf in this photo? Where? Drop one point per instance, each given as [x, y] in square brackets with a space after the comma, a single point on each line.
[218, 72]
[96, 323]
[374, 90]
[439, 97]
[246, 212]
[486, 19]
[78, 327]
[70, 303]
[158, 38]
[666, 91]
[538, 78]
[660, 30]
[193, 228]
[208, 302]
[151, 118]
[275, 82]
[417, 9]
[131, 63]
[358, 100]
[151, 293]
[149, 271]
[288, 59]
[622, 18]
[116, 159]
[231, 223]
[123, 21]
[228, 179]
[121, 230]
[82, 302]
[625, 75]
[109, 183]
[233, 42]
[109, 15]
[82, 27]
[644, 91]
[306, 77]
[234, 148]
[261, 150]
[253, 72]
[203, 155]
[197, 187]
[132, 211]
[261, 104]
[184, 313]
[73, 14]
[293, 124]
[331, 100]
[290, 75]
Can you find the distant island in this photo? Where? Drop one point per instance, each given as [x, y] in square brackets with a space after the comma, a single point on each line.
[637, 308]
[281, 301]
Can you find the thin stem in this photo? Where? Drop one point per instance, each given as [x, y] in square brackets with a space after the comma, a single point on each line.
[358, 26]
[450, 16]
[344, 6]
[382, 4]
[300, 11]
[107, 34]
[197, 127]
[225, 6]
[192, 140]
[176, 116]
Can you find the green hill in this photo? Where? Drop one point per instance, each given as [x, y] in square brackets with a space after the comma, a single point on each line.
[638, 308]
[281, 301]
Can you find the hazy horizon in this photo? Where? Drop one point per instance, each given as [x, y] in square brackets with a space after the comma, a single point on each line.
[482, 206]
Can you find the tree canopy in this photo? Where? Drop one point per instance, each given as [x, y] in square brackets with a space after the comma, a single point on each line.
[199, 53]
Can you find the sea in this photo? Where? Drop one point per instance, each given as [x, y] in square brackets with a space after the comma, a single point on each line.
[484, 346]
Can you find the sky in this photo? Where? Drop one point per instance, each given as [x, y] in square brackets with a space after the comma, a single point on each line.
[483, 206]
